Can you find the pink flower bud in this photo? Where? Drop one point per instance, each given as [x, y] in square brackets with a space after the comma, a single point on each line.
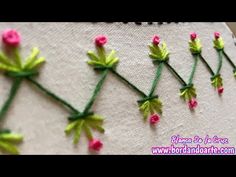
[154, 119]
[192, 103]
[193, 36]
[11, 37]
[95, 144]
[156, 40]
[220, 90]
[217, 35]
[100, 41]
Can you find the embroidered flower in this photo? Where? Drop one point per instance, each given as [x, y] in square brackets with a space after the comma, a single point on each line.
[100, 41]
[192, 103]
[11, 62]
[218, 41]
[95, 144]
[148, 107]
[217, 35]
[193, 36]
[188, 92]
[220, 90]
[195, 44]
[102, 59]
[217, 81]
[158, 52]
[80, 122]
[11, 37]
[156, 40]
[154, 119]
[15, 63]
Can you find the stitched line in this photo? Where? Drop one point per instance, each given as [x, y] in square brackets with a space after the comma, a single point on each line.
[52, 95]
[12, 94]
[96, 91]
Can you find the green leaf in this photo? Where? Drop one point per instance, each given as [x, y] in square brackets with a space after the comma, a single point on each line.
[5, 60]
[95, 63]
[17, 58]
[110, 56]
[157, 105]
[78, 131]
[33, 56]
[9, 68]
[113, 62]
[152, 49]
[159, 52]
[11, 137]
[218, 43]
[8, 147]
[183, 92]
[92, 56]
[192, 92]
[145, 109]
[70, 127]
[164, 52]
[102, 54]
[151, 106]
[79, 125]
[102, 60]
[88, 132]
[37, 63]
[96, 126]
[100, 128]
[217, 81]
[93, 122]
[95, 117]
[153, 56]
[188, 93]
[195, 46]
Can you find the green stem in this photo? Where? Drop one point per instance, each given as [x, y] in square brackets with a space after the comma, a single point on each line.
[207, 65]
[12, 94]
[220, 62]
[229, 60]
[156, 79]
[96, 91]
[196, 57]
[129, 83]
[181, 80]
[52, 95]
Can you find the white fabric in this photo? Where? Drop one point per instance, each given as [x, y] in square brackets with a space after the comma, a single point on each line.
[64, 45]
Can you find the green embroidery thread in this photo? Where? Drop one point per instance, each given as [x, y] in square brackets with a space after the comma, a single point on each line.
[217, 81]
[13, 66]
[160, 55]
[102, 61]
[150, 105]
[8, 141]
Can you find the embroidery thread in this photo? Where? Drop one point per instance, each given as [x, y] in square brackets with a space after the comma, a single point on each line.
[160, 56]
[107, 62]
[219, 46]
[12, 64]
[216, 79]
[150, 105]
